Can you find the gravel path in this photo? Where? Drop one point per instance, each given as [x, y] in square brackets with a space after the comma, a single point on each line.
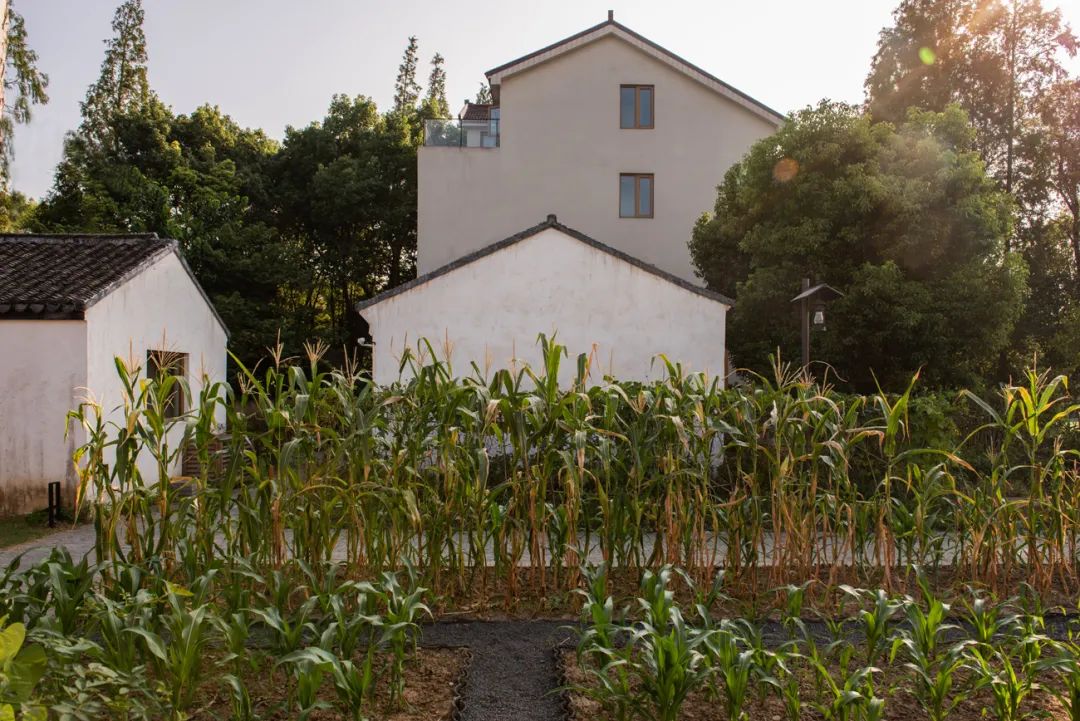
[513, 676]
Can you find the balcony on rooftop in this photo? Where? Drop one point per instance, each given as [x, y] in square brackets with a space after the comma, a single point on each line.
[477, 126]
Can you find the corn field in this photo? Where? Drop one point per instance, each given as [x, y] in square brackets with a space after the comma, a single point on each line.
[511, 480]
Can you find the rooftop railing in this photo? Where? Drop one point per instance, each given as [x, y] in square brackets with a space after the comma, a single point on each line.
[452, 133]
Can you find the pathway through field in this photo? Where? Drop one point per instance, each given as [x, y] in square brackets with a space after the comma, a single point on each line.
[512, 676]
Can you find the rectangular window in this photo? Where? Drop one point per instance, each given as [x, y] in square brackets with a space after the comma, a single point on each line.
[636, 195]
[636, 106]
[161, 364]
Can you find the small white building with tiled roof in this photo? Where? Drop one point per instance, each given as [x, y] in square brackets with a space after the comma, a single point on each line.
[69, 305]
[484, 312]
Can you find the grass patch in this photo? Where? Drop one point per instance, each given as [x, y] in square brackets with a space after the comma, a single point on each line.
[31, 527]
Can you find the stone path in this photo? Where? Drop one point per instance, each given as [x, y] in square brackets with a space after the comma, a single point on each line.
[78, 540]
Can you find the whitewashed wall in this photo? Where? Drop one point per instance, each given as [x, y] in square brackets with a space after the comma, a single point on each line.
[42, 373]
[159, 309]
[491, 310]
[562, 150]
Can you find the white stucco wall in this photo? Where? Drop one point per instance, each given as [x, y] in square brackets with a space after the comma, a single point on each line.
[491, 310]
[161, 308]
[42, 373]
[562, 151]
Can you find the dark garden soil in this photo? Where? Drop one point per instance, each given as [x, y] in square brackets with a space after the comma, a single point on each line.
[433, 679]
[538, 596]
[894, 684]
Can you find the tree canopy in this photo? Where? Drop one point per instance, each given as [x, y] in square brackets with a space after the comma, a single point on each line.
[285, 237]
[1004, 63]
[22, 85]
[904, 220]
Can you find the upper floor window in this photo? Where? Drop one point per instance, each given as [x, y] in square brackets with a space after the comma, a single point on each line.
[636, 195]
[636, 106]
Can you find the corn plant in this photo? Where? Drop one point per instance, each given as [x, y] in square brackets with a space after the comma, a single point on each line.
[667, 659]
[1010, 680]
[352, 682]
[935, 666]
[1065, 663]
[179, 661]
[734, 665]
[874, 622]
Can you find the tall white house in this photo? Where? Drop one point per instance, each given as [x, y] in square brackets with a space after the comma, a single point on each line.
[613, 139]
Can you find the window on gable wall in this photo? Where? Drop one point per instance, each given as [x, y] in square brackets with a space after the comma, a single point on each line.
[636, 106]
[161, 364]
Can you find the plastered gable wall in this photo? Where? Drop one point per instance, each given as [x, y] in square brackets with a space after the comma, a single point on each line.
[42, 376]
[562, 151]
[159, 309]
[491, 310]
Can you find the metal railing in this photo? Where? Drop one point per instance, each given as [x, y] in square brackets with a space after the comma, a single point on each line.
[453, 133]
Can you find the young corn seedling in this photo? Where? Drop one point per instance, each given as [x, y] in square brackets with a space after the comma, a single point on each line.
[935, 669]
[403, 607]
[352, 682]
[120, 649]
[287, 632]
[666, 659]
[875, 621]
[788, 682]
[735, 667]
[308, 675]
[1066, 664]
[1009, 679]
[988, 622]
[179, 662]
[239, 699]
[848, 697]
[599, 653]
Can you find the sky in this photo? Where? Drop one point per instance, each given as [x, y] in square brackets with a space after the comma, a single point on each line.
[274, 63]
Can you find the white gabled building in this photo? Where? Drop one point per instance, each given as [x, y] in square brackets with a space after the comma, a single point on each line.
[489, 306]
[625, 142]
[70, 304]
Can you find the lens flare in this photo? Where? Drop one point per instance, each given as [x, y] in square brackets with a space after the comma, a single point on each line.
[927, 56]
[785, 169]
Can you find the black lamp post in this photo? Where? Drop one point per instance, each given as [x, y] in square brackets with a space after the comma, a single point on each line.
[812, 302]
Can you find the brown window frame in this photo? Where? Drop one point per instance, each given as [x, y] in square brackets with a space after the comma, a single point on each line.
[174, 363]
[637, 194]
[637, 106]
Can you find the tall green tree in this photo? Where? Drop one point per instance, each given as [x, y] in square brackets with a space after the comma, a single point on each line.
[1061, 164]
[123, 86]
[997, 59]
[202, 180]
[345, 194]
[22, 85]
[903, 220]
[406, 88]
[436, 92]
[483, 95]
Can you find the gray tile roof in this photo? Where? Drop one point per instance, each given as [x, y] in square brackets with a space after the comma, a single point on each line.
[477, 112]
[551, 222]
[56, 277]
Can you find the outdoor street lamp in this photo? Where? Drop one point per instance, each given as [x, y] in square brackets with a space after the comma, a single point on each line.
[812, 302]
